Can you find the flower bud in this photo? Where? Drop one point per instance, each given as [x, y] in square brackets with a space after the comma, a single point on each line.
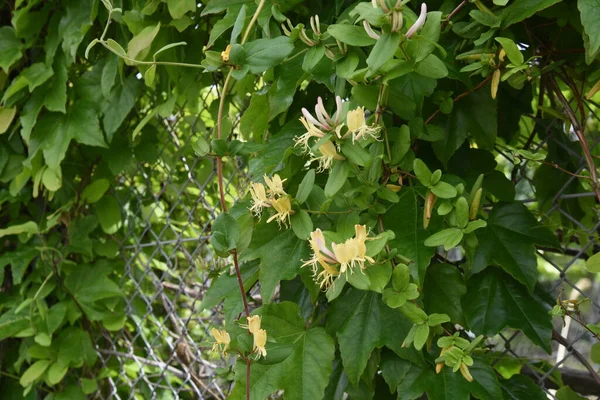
[495, 83]
[475, 204]
[429, 203]
[464, 370]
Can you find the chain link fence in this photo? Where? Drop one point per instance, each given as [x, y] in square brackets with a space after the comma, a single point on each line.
[170, 200]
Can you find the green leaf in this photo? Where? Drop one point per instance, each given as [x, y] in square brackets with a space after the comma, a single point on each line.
[280, 253]
[512, 51]
[109, 214]
[302, 225]
[405, 219]
[178, 8]
[508, 241]
[91, 288]
[34, 372]
[518, 10]
[384, 50]
[6, 117]
[423, 44]
[167, 47]
[350, 34]
[421, 335]
[444, 190]
[225, 233]
[83, 125]
[201, 146]
[75, 348]
[590, 17]
[593, 263]
[263, 54]
[304, 373]
[449, 238]
[312, 57]
[595, 353]
[89, 386]
[422, 172]
[27, 227]
[122, 99]
[255, 121]
[495, 301]
[443, 290]
[305, 187]
[74, 24]
[431, 67]
[521, 387]
[56, 96]
[400, 277]
[337, 178]
[116, 47]
[140, 43]
[52, 179]
[473, 225]
[362, 322]
[566, 393]
[437, 319]
[11, 48]
[57, 372]
[11, 324]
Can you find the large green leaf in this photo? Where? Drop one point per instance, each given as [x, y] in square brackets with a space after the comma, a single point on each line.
[281, 255]
[11, 324]
[405, 219]
[519, 10]
[83, 125]
[11, 48]
[384, 50]
[109, 214]
[508, 240]
[362, 322]
[122, 100]
[75, 347]
[304, 373]
[263, 54]
[590, 19]
[443, 289]
[255, 121]
[448, 385]
[521, 387]
[495, 301]
[90, 286]
[350, 34]
[178, 8]
[74, 24]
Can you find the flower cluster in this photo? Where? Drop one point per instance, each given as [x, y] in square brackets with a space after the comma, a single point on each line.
[259, 335]
[327, 263]
[321, 124]
[275, 197]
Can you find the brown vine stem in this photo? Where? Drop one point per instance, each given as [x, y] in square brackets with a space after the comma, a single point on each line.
[460, 96]
[453, 13]
[220, 179]
[579, 132]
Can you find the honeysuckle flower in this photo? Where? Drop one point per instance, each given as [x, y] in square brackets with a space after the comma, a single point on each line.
[222, 340]
[260, 340]
[419, 22]
[275, 185]
[259, 198]
[328, 154]
[357, 125]
[253, 324]
[311, 132]
[370, 32]
[283, 206]
[328, 264]
[322, 120]
[225, 53]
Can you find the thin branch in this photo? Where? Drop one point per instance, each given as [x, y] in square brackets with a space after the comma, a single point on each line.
[453, 13]
[460, 96]
[579, 132]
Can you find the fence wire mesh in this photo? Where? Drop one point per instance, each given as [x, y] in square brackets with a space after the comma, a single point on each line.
[170, 202]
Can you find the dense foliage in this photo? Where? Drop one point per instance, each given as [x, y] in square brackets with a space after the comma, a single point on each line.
[382, 226]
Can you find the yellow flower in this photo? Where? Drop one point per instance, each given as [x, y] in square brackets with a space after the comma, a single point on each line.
[225, 53]
[283, 206]
[253, 324]
[259, 198]
[328, 154]
[222, 340]
[347, 255]
[311, 132]
[323, 257]
[275, 185]
[357, 125]
[260, 340]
